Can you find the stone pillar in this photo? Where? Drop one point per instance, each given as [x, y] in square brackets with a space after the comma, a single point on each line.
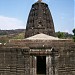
[33, 65]
[24, 58]
[27, 65]
[48, 65]
[54, 61]
[56, 65]
[31, 68]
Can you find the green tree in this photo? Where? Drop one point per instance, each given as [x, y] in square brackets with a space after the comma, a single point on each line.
[60, 35]
[74, 34]
[73, 31]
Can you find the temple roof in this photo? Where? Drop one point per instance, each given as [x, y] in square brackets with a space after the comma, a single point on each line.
[39, 20]
[42, 36]
[40, 0]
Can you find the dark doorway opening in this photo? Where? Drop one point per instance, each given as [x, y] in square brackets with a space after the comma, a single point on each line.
[41, 65]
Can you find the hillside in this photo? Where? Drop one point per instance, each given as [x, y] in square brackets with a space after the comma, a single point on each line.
[8, 32]
[5, 35]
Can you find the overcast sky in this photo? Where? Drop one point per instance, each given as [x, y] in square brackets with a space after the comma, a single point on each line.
[14, 14]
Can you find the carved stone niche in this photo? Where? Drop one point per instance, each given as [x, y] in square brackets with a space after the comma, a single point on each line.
[25, 51]
[40, 52]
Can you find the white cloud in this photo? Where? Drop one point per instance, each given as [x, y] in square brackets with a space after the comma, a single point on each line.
[7, 23]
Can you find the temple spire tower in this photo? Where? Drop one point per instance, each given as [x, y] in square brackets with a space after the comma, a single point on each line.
[40, 0]
[39, 20]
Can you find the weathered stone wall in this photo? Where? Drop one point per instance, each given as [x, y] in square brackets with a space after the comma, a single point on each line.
[13, 62]
[15, 59]
[66, 61]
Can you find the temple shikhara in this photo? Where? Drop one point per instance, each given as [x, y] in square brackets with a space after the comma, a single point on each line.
[40, 53]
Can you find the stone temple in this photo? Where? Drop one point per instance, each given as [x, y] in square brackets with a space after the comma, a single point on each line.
[40, 53]
[39, 20]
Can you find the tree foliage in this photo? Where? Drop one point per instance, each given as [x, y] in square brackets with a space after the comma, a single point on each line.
[63, 35]
[74, 34]
[60, 35]
[73, 31]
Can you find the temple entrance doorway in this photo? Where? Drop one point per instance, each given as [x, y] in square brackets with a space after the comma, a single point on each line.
[41, 65]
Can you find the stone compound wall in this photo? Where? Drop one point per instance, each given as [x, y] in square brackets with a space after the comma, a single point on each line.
[15, 58]
[13, 62]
